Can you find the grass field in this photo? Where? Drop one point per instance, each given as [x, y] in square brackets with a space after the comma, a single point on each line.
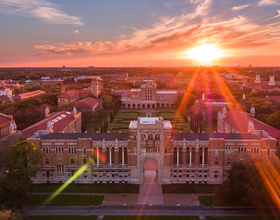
[240, 218]
[89, 188]
[64, 200]
[188, 188]
[123, 118]
[151, 218]
[62, 217]
[220, 201]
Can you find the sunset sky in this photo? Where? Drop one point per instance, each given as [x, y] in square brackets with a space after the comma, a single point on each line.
[43, 33]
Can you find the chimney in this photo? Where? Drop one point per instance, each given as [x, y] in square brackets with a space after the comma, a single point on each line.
[271, 81]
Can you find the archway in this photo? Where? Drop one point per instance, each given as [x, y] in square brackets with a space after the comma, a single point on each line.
[148, 106]
[150, 171]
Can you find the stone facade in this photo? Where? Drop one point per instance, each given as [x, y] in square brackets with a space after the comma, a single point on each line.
[120, 157]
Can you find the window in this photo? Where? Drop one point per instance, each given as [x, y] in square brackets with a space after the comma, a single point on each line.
[47, 160]
[216, 174]
[228, 173]
[72, 160]
[72, 150]
[47, 150]
[84, 161]
[113, 173]
[200, 173]
[85, 174]
[157, 137]
[120, 174]
[108, 173]
[180, 173]
[134, 137]
[85, 151]
[205, 174]
[125, 173]
[268, 151]
[192, 173]
[59, 150]
[100, 173]
[175, 173]
[216, 161]
[60, 169]
[187, 173]
[228, 161]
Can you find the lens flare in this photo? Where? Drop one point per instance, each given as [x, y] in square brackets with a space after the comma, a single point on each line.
[60, 189]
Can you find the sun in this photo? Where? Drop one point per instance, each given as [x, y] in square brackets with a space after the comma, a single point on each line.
[205, 53]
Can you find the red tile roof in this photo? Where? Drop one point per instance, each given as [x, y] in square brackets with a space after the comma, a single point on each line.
[4, 119]
[83, 91]
[88, 102]
[60, 121]
[68, 94]
[3, 98]
[240, 121]
[29, 94]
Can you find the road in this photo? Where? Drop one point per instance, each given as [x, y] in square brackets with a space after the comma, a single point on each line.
[158, 210]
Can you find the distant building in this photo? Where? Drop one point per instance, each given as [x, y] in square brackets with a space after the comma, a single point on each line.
[77, 94]
[148, 96]
[28, 95]
[51, 82]
[89, 103]
[7, 125]
[239, 122]
[5, 91]
[59, 122]
[269, 86]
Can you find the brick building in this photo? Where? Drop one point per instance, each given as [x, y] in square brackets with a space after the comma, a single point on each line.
[120, 157]
[148, 96]
[58, 122]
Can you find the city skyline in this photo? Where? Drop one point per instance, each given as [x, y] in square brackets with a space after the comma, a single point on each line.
[42, 33]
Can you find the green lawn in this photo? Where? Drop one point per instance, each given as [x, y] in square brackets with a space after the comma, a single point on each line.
[151, 218]
[220, 201]
[64, 200]
[89, 188]
[62, 217]
[240, 218]
[187, 188]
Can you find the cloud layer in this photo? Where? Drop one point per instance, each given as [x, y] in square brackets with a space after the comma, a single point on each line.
[43, 9]
[174, 34]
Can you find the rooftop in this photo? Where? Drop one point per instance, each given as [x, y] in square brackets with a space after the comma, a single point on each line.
[93, 136]
[60, 121]
[240, 121]
[207, 136]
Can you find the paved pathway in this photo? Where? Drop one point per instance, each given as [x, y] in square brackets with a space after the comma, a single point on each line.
[159, 210]
[150, 192]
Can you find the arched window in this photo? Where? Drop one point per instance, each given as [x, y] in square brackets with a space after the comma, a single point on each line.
[205, 155]
[113, 155]
[125, 155]
[72, 160]
[175, 156]
[180, 155]
[228, 161]
[120, 155]
[157, 137]
[107, 155]
[268, 151]
[150, 137]
[188, 155]
[143, 137]
[200, 155]
[85, 151]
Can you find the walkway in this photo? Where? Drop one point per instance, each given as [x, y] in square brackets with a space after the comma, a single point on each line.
[150, 191]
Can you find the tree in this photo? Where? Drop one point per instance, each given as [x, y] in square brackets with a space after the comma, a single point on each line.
[24, 160]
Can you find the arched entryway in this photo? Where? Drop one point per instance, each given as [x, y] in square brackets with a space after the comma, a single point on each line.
[150, 171]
